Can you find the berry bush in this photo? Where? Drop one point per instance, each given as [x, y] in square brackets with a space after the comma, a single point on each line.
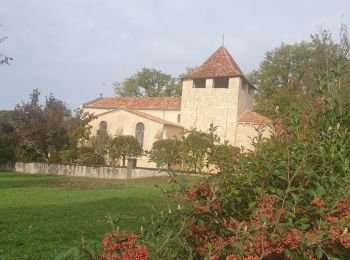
[287, 200]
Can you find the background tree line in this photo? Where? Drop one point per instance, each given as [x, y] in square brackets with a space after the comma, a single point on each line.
[291, 76]
[40, 133]
[51, 133]
[150, 82]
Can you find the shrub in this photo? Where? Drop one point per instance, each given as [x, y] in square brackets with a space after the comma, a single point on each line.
[69, 156]
[88, 156]
[196, 147]
[224, 157]
[203, 151]
[27, 154]
[123, 147]
[100, 142]
[166, 152]
[123, 246]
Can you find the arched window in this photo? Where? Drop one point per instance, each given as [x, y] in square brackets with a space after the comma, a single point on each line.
[139, 133]
[103, 126]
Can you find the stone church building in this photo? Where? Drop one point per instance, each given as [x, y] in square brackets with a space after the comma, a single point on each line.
[216, 92]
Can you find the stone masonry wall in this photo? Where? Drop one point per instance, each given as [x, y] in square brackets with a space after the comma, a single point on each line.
[202, 106]
[82, 171]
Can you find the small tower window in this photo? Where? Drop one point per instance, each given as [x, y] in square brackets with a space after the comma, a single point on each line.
[178, 118]
[221, 82]
[199, 83]
[103, 126]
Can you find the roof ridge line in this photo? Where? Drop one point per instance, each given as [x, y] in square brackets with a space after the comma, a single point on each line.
[149, 116]
[92, 101]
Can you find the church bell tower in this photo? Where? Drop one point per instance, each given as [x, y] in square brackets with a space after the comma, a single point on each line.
[216, 92]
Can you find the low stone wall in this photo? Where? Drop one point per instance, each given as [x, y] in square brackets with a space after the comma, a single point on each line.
[82, 171]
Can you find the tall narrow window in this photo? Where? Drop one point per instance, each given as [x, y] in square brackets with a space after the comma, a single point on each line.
[139, 134]
[103, 126]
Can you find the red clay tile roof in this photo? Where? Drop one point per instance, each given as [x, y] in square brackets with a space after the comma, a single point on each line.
[219, 64]
[158, 103]
[144, 115]
[253, 117]
[150, 117]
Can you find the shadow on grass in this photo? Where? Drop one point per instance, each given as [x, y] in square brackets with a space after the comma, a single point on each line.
[37, 231]
[14, 179]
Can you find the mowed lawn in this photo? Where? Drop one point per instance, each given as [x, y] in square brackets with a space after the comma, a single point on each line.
[40, 214]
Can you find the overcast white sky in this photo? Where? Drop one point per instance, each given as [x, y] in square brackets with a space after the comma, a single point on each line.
[75, 49]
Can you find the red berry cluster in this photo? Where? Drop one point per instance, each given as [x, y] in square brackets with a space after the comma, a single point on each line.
[123, 246]
[291, 239]
[318, 202]
[337, 231]
[200, 191]
[233, 257]
[264, 241]
[320, 103]
[203, 238]
[203, 198]
[267, 234]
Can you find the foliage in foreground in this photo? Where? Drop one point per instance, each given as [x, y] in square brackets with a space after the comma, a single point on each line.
[277, 204]
[289, 199]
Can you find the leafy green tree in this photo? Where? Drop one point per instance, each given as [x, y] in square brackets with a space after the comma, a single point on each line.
[166, 152]
[79, 129]
[42, 132]
[123, 147]
[224, 157]
[56, 115]
[293, 75]
[30, 129]
[100, 143]
[148, 83]
[196, 148]
[7, 142]
[88, 156]
[78, 136]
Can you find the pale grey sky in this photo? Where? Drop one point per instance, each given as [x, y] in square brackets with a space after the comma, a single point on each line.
[75, 49]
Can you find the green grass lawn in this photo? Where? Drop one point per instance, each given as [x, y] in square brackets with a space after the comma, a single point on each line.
[40, 214]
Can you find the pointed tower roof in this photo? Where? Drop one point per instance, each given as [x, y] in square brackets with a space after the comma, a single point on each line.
[219, 64]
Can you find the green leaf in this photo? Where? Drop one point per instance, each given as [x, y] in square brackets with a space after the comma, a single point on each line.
[319, 252]
[320, 191]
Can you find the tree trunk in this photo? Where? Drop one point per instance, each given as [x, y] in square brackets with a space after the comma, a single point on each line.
[123, 159]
